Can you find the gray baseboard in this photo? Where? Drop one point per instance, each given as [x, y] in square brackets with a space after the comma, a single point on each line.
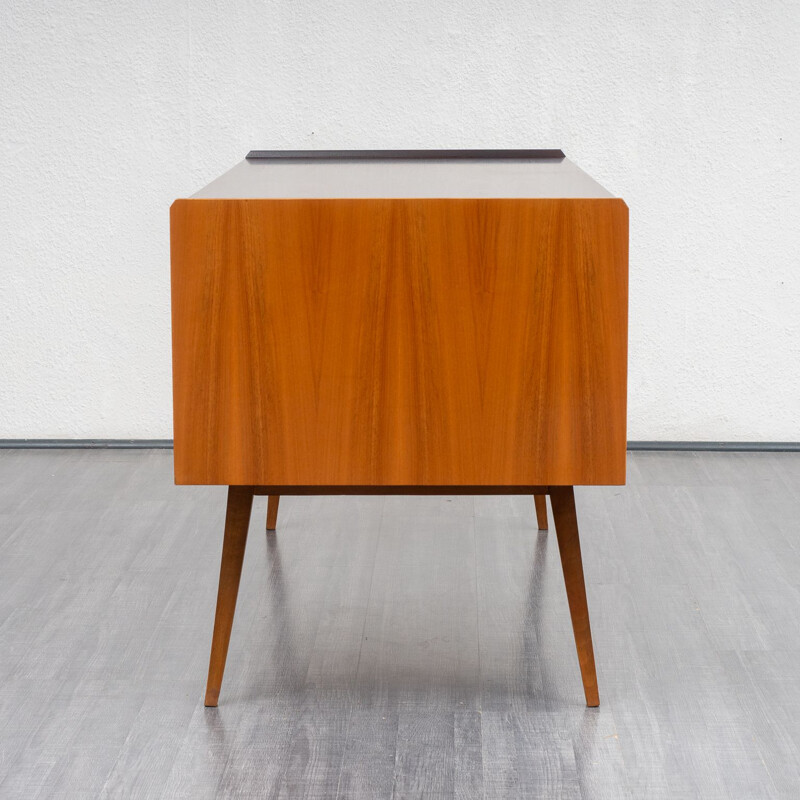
[728, 447]
[81, 444]
[165, 444]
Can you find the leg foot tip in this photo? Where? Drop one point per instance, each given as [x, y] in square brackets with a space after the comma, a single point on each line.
[211, 700]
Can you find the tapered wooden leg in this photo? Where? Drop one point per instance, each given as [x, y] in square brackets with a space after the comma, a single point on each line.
[272, 511]
[569, 546]
[237, 520]
[541, 511]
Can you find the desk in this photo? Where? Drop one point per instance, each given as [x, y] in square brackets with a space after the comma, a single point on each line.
[393, 322]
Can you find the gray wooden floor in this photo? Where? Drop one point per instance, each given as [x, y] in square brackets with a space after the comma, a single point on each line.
[399, 647]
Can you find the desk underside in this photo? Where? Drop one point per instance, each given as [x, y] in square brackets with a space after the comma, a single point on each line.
[399, 343]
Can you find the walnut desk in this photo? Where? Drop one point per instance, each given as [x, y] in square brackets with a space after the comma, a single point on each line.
[351, 322]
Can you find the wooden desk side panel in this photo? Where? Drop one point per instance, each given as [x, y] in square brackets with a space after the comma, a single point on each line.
[399, 342]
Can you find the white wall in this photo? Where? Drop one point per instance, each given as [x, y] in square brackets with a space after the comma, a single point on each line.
[688, 110]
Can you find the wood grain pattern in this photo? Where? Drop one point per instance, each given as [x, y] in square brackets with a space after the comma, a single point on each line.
[569, 548]
[237, 520]
[399, 342]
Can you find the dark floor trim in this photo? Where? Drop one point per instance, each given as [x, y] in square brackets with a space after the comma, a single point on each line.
[403, 155]
[166, 444]
[79, 444]
[728, 447]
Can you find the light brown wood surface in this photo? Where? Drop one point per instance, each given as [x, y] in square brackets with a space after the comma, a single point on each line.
[399, 342]
[562, 499]
[237, 521]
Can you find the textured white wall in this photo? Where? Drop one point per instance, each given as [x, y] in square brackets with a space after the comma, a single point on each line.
[689, 110]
